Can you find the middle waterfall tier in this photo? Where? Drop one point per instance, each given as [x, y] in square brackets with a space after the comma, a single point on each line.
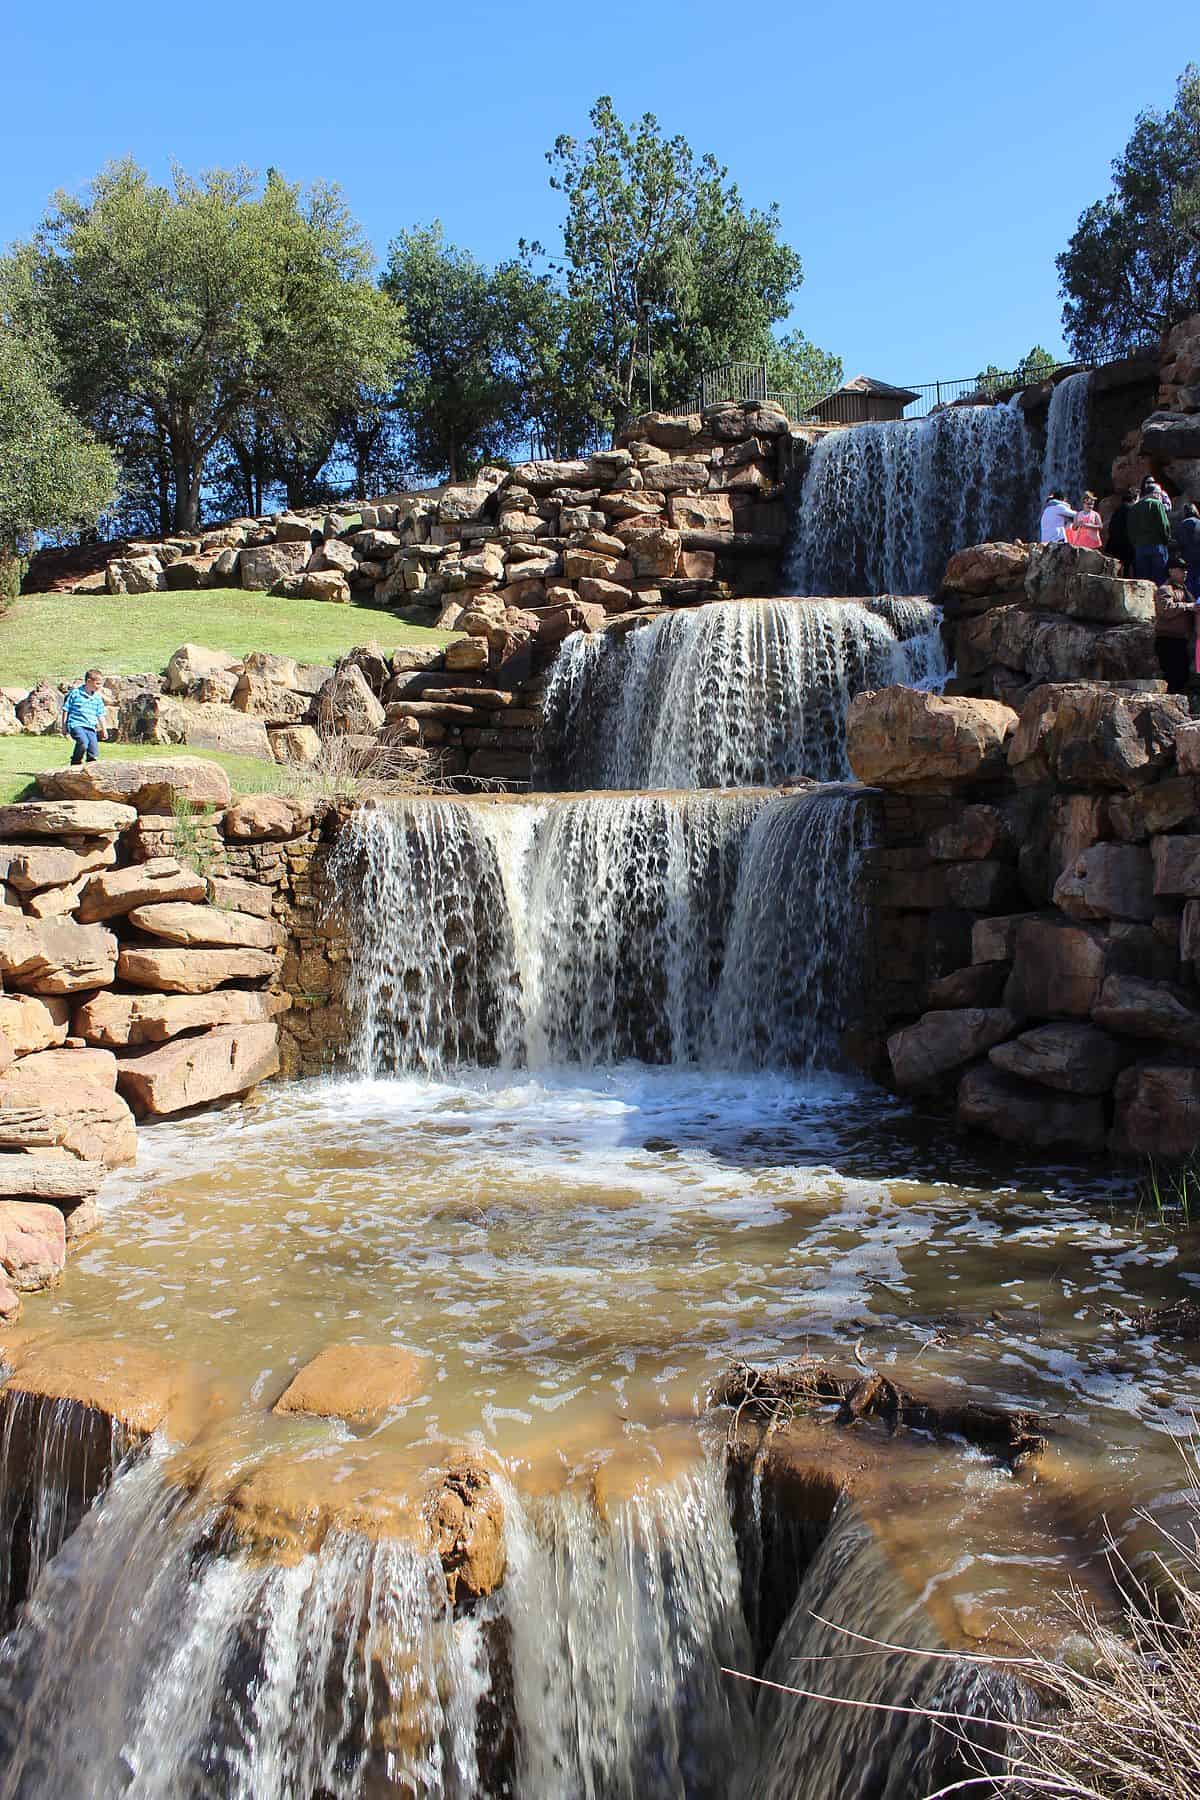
[733, 694]
[666, 928]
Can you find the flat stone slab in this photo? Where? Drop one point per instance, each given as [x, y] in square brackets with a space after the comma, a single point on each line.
[224, 1061]
[48, 1178]
[150, 785]
[161, 878]
[119, 1020]
[64, 818]
[212, 927]
[192, 971]
[355, 1382]
[29, 868]
[55, 956]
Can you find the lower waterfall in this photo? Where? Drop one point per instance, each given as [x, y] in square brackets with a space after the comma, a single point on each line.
[734, 694]
[669, 928]
[884, 506]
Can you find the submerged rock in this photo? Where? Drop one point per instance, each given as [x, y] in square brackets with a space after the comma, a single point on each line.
[355, 1382]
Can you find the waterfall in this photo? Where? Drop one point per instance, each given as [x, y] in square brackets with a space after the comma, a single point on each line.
[735, 694]
[705, 929]
[1065, 463]
[884, 506]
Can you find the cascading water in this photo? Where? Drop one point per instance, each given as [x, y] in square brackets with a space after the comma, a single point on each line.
[730, 695]
[884, 506]
[707, 929]
[1064, 466]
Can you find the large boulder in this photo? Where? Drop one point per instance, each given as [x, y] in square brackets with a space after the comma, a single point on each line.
[1085, 736]
[356, 1382]
[219, 1063]
[64, 818]
[33, 1246]
[923, 1054]
[1171, 437]
[30, 1022]
[901, 738]
[191, 971]
[150, 785]
[55, 956]
[1031, 1116]
[1137, 1008]
[93, 1123]
[260, 568]
[1109, 600]
[1058, 968]
[263, 818]
[157, 719]
[1176, 865]
[193, 663]
[135, 575]
[1108, 881]
[182, 922]
[983, 569]
[28, 868]
[114, 894]
[1158, 1109]
[39, 710]
[346, 704]
[1073, 1057]
[119, 1020]
[1052, 568]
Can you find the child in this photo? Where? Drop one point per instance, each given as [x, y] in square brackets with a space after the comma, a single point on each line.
[83, 716]
[1087, 532]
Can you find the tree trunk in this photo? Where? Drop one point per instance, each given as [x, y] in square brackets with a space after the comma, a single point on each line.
[187, 493]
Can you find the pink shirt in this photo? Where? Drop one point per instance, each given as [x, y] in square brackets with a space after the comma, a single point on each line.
[1089, 531]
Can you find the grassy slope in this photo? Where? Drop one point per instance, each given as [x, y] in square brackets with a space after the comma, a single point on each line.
[22, 757]
[59, 635]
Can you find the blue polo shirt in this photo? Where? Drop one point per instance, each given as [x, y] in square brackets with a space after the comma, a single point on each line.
[82, 708]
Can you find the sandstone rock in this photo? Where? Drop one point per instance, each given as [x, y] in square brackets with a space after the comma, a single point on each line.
[1073, 650]
[982, 885]
[333, 555]
[193, 662]
[64, 818]
[1167, 437]
[701, 512]
[611, 595]
[53, 1179]
[33, 1245]
[290, 528]
[1187, 746]
[465, 1519]
[986, 569]
[39, 710]
[55, 903]
[1176, 865]
[313, 584]
[654, 552]
[95, 1125]
[212, 927]
[10, 725]
[922, 1054]
[120, 1020]
[72, 1063]
[1058, 968]
[467, 654]
[135, 575]
[29, 1023]
[261, 818]
[29, 868]
[155, 719]
[1074, 1058]
[1158, 1109]
[1092, 737]
[974, 832]
[346, 704]
[55, 956]
[268, 700]
[560, 621]
[130, 1388]
[1052, 567]
[356, 1382]
[1147, 1009]
[215, 1065]
[112, 895]
[241, 896]
[295, 746]
[259, 568]
[149, 785]
[978, 985]
[1108, 600]
[225, 568]
[1149, 810]
[191, 971]
[541, 477]
[1028, 1115]
[901, 738]
[1108, 881]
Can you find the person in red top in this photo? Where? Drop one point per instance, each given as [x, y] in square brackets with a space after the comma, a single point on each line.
[1088, 529]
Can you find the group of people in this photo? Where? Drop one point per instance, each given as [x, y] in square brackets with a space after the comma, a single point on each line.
[1139, 533]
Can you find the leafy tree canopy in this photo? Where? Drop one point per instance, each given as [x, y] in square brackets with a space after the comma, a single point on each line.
[1132, 267]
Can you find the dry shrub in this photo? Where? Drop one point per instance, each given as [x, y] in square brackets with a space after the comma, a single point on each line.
[349, 769]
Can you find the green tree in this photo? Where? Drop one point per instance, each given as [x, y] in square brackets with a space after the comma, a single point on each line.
[797, 367]
[671, 272]
[1132, 267]
[544, 352]
[53, 474]
[457, 404]
[181, 311]
[1034, 366]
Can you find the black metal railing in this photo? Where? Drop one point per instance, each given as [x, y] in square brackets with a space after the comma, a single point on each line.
[849, 406]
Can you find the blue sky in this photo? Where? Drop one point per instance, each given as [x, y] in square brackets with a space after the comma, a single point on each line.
[929, 160]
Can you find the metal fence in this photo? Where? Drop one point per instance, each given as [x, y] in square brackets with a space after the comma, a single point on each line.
[845, 406]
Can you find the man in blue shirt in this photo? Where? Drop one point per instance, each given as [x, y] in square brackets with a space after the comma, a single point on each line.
[83, 717]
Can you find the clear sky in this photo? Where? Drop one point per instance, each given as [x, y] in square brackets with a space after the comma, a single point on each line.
[930, 160]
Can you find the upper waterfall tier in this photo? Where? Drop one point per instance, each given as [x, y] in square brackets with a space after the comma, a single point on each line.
[885, 506]
[706, 928]
[734, 694]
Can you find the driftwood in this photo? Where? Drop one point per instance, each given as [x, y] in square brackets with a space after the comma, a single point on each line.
[1175, 1319]
[772, 1395]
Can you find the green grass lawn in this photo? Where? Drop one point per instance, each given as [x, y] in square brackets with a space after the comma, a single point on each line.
[22, 757]
[60, 635]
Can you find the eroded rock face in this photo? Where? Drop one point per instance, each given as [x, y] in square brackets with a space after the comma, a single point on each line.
[148, 786]
[114, 895]
[181, 922]
[1085, 736]
[465, 1519]
[120, 1020]
[91, 1121]
[191, 971]
[64, 818]
[1074, 1058]
[55, 956]
[926, 743]
[33, 1246]
[346, 704]
[922, 1054]
[1032, 1116]
[1107, 881]
[356, 1382]
[218, 1064]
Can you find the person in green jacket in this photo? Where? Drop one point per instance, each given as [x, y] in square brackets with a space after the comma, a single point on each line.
[1150, 534]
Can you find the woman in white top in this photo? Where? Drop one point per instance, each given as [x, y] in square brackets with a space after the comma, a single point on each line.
[1056, 516]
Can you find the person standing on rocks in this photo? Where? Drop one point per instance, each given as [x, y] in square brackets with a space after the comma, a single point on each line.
[1150, 534]
[1087, 533]
[83, 717]
[1056, 516]
[1187, 534]
[1119, 543]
